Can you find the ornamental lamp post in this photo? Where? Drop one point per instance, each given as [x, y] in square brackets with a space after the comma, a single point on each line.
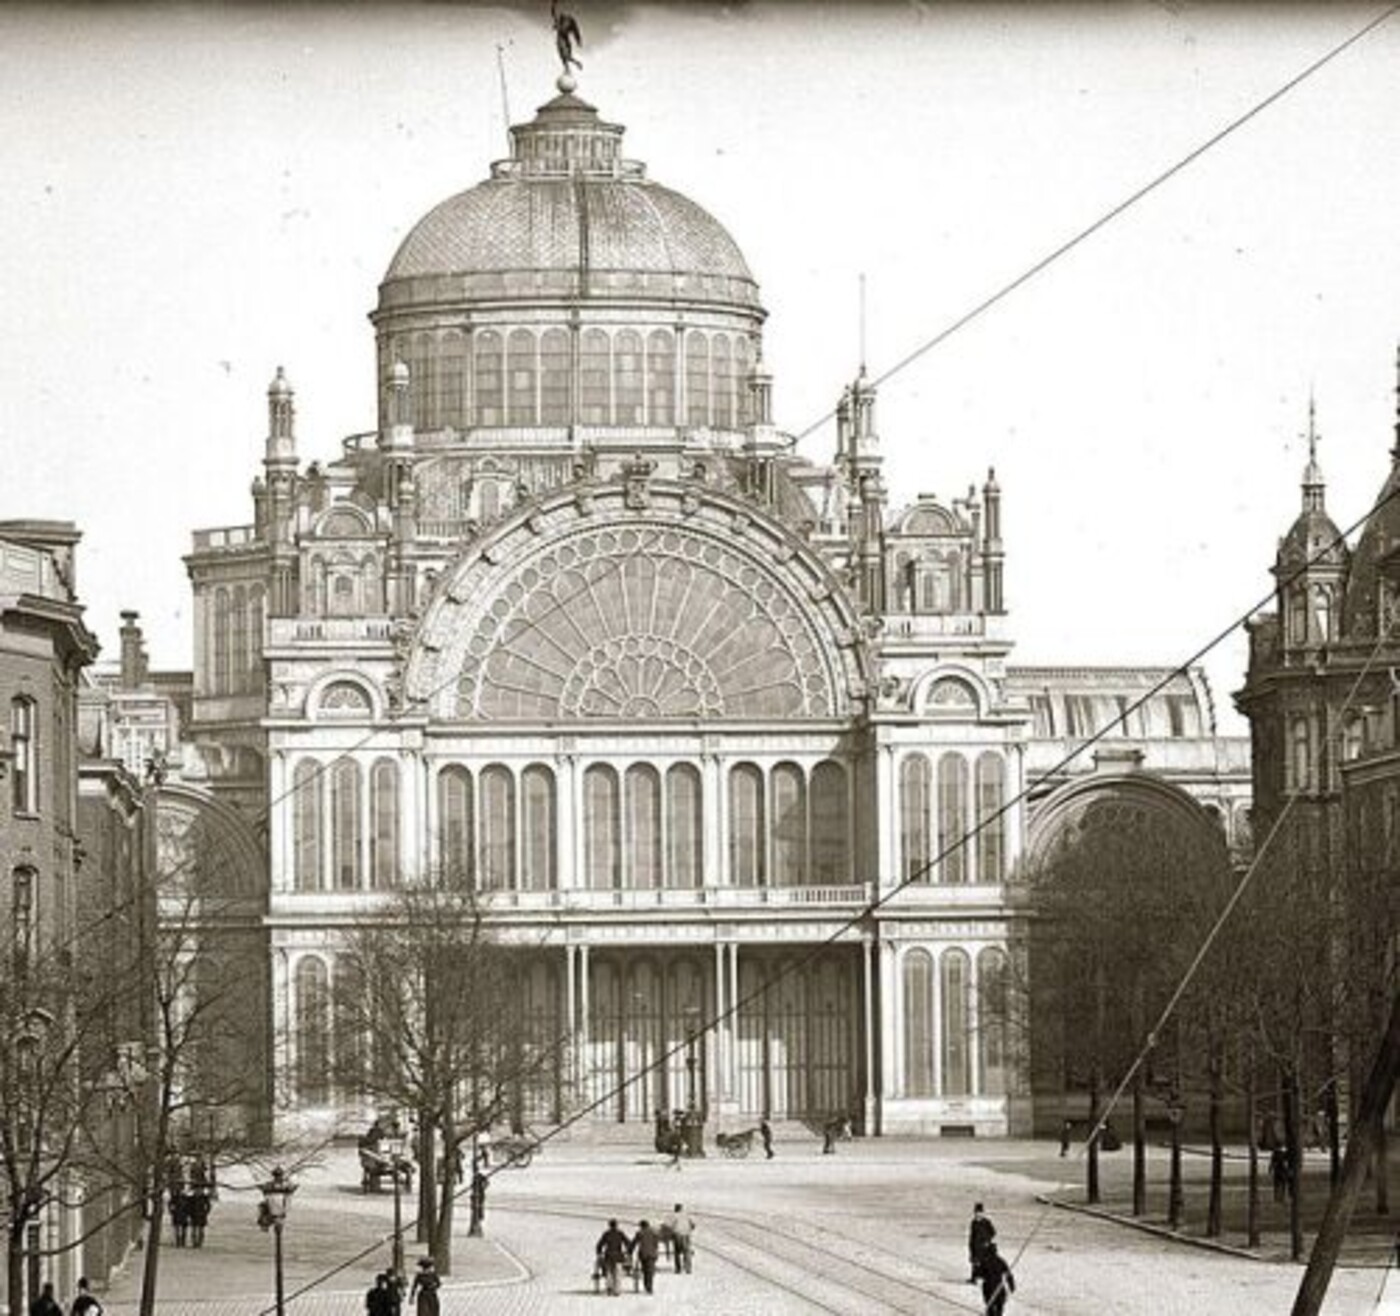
[694, 1132]
[272, 1213]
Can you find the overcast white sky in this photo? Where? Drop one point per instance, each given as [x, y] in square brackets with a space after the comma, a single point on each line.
[194, 195]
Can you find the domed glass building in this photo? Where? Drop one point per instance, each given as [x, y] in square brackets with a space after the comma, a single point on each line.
[728, 746]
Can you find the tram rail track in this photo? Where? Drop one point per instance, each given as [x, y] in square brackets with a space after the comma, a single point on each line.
[834, 1273]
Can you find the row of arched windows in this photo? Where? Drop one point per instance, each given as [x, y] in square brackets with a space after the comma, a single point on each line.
[955, 1029]
[644, 828]
[522, 377]
[940, 808]
[236, 636]
[345, 825]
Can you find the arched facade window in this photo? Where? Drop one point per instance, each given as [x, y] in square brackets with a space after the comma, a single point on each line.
[952, 818]
[24, 746]
[456, 827]
[643, 800]
[831, 826]
[918, 1023]
[488, 501]
[306, 824]
[991, 828]
[554, 377]
[221, 641]
[743, 382]
[746, 829]
[993, 1027]
[594, 376]
[313, 1031]
[384, 824]
[496, 861]
[661, 377]
[538, 838]
[24, 884]
[789, 825]
[697, 380]
[915, 777]
[345, 824]
[238, 638]
[684, 826]
[257, 605]
[489, 370]
[1300, 755]
[602, 828]
[722, 366]
[521, 406]
[956, 1024]
[452, 379]
[628, 386]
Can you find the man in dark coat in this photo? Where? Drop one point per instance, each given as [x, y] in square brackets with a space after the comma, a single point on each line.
[45, 1304]
[765, 1132]
[979, 1238]
[997, 1283]
[645, 1248]
[379, 1299]
[612, 1250]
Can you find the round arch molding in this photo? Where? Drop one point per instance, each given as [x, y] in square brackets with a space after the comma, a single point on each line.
[637, 602]
[207, 848]
[1062, 814]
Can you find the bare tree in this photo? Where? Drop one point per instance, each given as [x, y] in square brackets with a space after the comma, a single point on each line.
[435, 1003]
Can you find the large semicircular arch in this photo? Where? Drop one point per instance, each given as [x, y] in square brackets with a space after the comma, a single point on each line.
[598, 603]
[1066, 806]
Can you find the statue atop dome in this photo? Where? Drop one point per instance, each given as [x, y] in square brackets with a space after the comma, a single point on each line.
[566, 37]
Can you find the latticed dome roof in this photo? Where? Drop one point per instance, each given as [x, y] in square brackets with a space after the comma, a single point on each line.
[567, 214]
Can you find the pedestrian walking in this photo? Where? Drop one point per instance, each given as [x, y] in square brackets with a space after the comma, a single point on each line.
[997, 1282]
[645, 1248]
[765, 1132]
[612, 1252]
[45, 1304]
[980, 1234]
[424, 1292]
[834, 1128]
[1280, 1172]
[197, 1207]
[180, 1213]
[378, 1299]
[1066, 1133]
[85, 1304]
[680, 1226]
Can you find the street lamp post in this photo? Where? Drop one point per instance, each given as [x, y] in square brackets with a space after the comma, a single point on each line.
[694, 1132]
[272, 1213]
[397, 1145]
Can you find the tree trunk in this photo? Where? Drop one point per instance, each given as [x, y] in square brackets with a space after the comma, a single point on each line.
[150, 1263]
[1091, 1161]
[1293, 1143]
[1382, 1172]
[14, 1263]
[1217, 1158]
[442, 1226]
[1175, 1192]
[1139, 1147]
[427, 1179]
[1334, 1133]
[1251, 1114]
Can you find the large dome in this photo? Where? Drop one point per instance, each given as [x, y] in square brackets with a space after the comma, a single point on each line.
[567, 215]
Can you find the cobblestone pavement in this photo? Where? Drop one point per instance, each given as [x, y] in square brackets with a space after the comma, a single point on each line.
[879, 1227]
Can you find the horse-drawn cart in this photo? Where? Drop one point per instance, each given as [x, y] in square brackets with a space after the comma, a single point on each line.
[736, 1145]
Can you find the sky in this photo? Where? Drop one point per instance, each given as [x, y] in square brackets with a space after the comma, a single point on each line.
[195, 195]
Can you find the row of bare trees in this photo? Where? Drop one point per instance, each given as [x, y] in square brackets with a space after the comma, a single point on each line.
[1151, 978]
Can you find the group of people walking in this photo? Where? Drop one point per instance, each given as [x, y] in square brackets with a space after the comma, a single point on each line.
[84, 1304]
[989, 1267]
[616, 1253]
[191, 1191]
[386, 1298]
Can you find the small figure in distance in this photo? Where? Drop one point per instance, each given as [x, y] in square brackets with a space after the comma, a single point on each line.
[765, 1132]
[85, 1304]
[1066, 1134]
[612, 1250]
[45, 1304]
[997, 1283]
[681, 1227]
[980, 1234]
[645, 1248]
